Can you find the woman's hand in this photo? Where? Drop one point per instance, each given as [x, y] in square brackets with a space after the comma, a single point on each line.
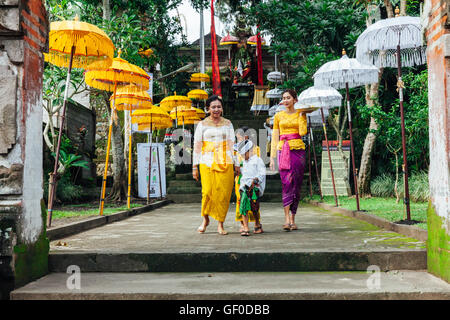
[272, 164]
[195, 173]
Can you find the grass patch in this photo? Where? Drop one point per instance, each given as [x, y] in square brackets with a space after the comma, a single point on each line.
[79, 210]
[385, 208]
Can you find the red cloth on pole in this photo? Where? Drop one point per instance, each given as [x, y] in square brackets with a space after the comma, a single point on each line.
[259, 54]
[215, 59]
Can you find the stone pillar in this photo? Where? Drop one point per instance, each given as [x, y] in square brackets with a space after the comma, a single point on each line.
[437, 32]
[23, 243]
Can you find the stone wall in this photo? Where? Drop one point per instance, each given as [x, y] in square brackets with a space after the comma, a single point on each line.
[437, 34]
[23, 245]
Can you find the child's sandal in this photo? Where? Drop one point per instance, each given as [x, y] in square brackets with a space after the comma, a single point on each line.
[258, 229]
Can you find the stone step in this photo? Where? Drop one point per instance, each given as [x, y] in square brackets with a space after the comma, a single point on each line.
[238, 261]
[393, 285]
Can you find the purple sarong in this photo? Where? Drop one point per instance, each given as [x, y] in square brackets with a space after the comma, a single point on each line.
[291, 180]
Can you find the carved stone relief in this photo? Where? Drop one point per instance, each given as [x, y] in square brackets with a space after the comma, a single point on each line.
[8, 91]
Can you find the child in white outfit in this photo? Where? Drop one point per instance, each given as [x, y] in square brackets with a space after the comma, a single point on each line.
[252, 183]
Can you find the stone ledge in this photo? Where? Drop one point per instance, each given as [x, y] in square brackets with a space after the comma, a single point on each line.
[80, 226]
[409, 231]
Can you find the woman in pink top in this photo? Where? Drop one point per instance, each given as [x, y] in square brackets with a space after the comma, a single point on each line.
[288, 128]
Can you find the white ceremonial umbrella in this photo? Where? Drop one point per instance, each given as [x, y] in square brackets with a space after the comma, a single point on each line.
[275, 76]
[274, 93]
[347, 73]
[394, 42]
[323, 97]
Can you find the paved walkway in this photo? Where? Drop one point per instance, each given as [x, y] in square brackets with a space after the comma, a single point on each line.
[173, 229]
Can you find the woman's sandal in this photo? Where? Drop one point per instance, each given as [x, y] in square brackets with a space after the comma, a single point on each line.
[200, 230]
[293, 226]
[222, 232]
[258, 229]
[287, 227]
[245, 233]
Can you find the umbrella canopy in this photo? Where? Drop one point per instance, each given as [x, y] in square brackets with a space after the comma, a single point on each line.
[324, 97]
[162, 124]
[200, 113]
[254, 39]
[146, 53]
[274, 109]
[378, 43]
[198, 94]
[275, 76]
[120, 73]
[183, 111]
[274, 93]
[170, 102]
[199, 77]
[152, 115]
[92, 47]
[228, 40]
[338, 73]
[131, 98]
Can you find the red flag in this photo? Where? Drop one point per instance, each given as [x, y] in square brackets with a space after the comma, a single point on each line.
[259, 54]
[215, 59]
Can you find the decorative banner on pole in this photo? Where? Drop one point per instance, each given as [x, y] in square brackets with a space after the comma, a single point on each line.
[143, 172]
[214, 56]
[259, 56]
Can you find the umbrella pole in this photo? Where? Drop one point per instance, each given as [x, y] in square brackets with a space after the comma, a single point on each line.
[159, 173]
[309, 165]
[149, 163]
[130, 144]
[108, 147]
[315, 160]
[402, 115]
[329, 156]
[355, 179]
[53, 176]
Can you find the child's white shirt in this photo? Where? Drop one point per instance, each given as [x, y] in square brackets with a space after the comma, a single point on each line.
[253, 168]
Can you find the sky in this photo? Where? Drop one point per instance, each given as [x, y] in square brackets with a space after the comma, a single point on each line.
[193, 21]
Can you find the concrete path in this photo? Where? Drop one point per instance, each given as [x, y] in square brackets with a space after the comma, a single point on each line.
[173, 229]
[160, 255]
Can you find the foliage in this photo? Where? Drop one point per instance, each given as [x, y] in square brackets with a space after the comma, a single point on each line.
[383, 186]
[66, 190]
[330, 26]
[386, 208]
[416, 122]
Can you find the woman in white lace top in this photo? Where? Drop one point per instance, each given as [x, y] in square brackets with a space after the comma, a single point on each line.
[213, 161]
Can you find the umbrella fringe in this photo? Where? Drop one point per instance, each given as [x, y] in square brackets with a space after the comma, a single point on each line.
[61, 59]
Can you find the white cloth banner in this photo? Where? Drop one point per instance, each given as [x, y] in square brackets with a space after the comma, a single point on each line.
[143, 153]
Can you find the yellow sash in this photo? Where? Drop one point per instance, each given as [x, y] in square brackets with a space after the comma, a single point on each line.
[220, 159]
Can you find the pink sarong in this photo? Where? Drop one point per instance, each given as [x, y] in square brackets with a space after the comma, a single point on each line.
[285, 157]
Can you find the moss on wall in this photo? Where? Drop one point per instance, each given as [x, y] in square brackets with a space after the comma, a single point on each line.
[438, 245]
[31, 260]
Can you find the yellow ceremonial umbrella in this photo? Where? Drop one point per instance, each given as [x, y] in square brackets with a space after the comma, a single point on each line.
[199, 77]
[120, 73]
[153, 116]
[200, 113]
[170, 102]
[74, 44]
[198, 94]
[130, 98]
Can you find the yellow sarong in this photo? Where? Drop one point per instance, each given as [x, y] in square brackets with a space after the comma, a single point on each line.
[217, 182]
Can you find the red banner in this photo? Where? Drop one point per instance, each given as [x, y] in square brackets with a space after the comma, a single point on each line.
[215, 59]
[259, 56]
